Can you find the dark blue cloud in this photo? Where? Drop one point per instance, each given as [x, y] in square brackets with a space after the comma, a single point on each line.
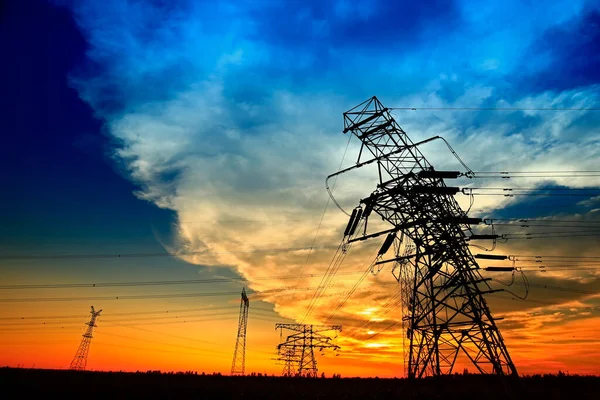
[293, 44]
[542, 207]
[357, 25]
[348, 42]
[569, 53]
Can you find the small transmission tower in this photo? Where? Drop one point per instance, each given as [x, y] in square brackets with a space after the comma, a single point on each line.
[297, 350]
[239, 354]
[290, 359]
[446, 314]
[80, 360]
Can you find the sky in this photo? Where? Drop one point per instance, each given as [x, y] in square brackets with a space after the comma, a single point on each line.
[205, 130]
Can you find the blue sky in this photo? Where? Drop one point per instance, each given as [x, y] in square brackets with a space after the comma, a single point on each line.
[210, 126]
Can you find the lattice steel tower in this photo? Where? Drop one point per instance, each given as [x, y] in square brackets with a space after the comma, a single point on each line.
[290, 359]
[80, 360]
[446, 316]
[238, 365]
[297, 350]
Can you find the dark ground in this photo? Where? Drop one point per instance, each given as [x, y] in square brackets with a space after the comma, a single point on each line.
[60, 384]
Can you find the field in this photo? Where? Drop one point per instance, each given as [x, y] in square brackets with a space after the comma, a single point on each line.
[27, 383]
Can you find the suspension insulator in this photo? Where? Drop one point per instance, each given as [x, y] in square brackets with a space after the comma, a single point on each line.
[439, 174]
[490, 257]
[387, 243]
[476, 237]
[436, 189]
[500, 269]
[347, 230]
[355, 223]
[463, 220]
[368, 207]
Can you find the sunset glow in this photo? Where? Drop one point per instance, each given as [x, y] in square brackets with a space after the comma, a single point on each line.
[164, 155]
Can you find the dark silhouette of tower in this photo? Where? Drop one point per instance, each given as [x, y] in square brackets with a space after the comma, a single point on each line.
[446, 314]
[80, 360]
[239, 354]
[298, 349]
[290, 360]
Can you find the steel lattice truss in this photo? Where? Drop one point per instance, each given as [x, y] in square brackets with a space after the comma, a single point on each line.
[80, 360]
[290, 357]
[297, 350]
[446, 314]
[238, 365]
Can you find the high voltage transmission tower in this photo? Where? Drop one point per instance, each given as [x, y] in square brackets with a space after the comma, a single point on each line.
[238, 364]
[290, 359]
[80, 360]
[297, 349]
[446, 314]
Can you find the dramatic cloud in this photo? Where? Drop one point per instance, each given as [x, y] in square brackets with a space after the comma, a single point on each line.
[230, 115]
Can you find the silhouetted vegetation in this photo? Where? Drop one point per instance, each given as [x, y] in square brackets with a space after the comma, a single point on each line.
[155, 384]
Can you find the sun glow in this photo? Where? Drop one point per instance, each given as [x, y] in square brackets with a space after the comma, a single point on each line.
[368, 311]
[375, 345]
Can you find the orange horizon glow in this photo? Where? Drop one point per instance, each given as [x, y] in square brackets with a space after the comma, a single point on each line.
[534, 351]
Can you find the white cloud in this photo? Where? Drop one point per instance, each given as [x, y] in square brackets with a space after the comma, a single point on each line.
[239, 191]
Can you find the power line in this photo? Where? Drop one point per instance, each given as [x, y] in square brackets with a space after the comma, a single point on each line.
[522, 225]
[154, 283]
[492, 109]
[549, 303]
[554, 256]
[560, 288]
[536, 176]
[18, 328]
[329, 274]
[354, 287]
[532, 174]
[527, 220]
[166, 334]
[149, 349]
[139, 255]
[325, 278]
[198, 349]
[383, 330]
[151, 296]
[537, 194]
[323, 214]
[108, 319]
[536, 172]
[125, 297]
[530, 189]
[586, 232]
[544, 233]
[167, 312]
[561, 268]
[549, 236]
[384, 310]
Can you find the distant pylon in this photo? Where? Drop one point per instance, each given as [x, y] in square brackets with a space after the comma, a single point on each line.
[239, 354]
[80, 360]
[297, 350]
[290, 359]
